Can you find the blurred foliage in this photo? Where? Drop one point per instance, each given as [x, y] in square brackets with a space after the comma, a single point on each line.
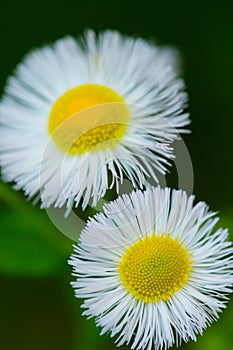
[29, 243]
[38, 309]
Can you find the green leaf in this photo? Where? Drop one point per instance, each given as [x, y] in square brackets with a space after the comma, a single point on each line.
[29, 242]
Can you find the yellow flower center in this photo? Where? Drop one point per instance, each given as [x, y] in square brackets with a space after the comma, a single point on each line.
[88, 118]
[155, 267]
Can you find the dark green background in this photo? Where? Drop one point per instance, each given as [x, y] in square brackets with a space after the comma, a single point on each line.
[37, 308]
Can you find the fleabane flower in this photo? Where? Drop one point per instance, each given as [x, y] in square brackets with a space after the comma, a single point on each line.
[151, 269]
[79, 115]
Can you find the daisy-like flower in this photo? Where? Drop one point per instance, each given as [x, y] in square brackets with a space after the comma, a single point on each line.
[151, 269]
[78, 110]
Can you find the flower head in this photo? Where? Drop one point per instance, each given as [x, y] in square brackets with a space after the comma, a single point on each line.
[78, 110]
[151, 270]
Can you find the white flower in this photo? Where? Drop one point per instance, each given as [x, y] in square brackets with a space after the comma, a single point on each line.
[76, 110]
[151, 270]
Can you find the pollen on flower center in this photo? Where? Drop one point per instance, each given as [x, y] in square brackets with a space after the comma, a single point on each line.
[88, 118]
[154, 268]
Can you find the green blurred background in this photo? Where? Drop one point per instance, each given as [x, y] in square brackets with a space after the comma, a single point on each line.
[37, 307]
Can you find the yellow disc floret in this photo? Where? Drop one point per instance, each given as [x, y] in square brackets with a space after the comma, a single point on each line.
[88, 118]
[155, 267]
